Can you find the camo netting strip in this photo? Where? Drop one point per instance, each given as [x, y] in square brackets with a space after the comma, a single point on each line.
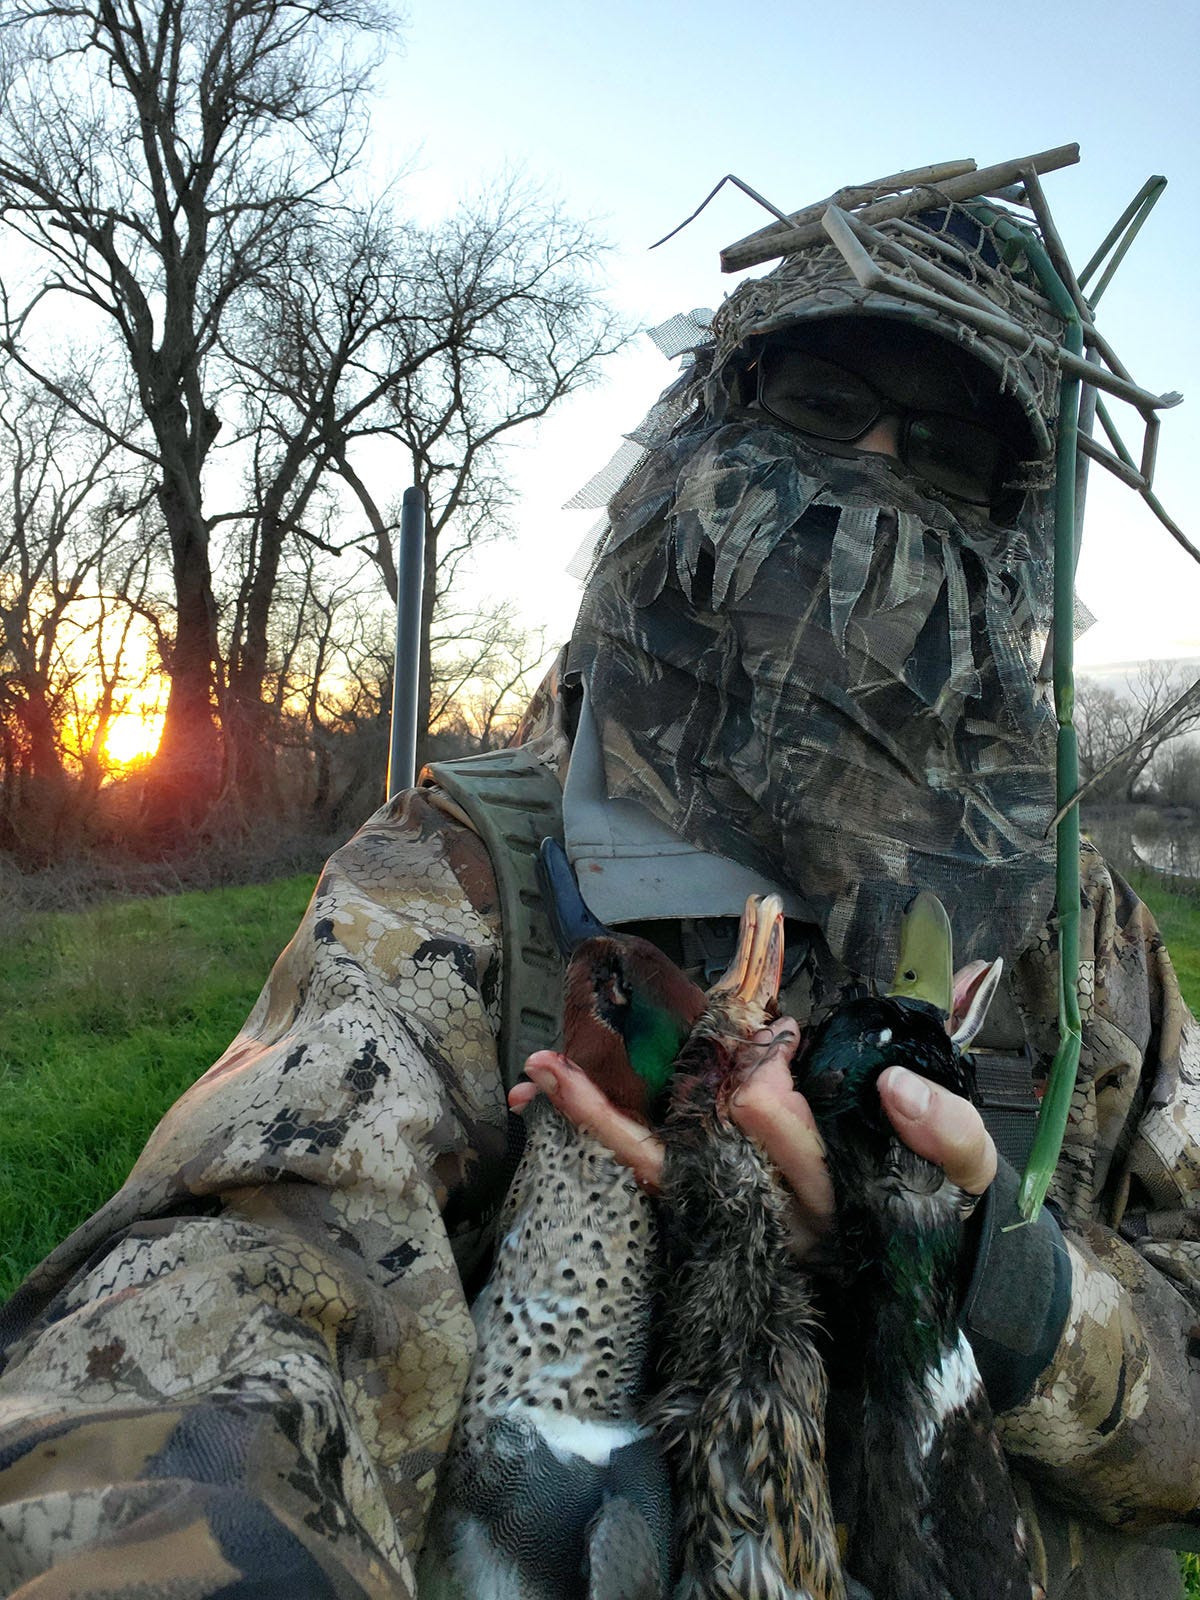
[805, 663]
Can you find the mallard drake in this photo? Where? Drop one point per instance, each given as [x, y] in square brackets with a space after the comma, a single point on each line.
[742, 1411]
[935, 1517]
[554, 1487]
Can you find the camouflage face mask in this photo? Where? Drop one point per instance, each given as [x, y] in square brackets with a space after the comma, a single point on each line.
[809, 663]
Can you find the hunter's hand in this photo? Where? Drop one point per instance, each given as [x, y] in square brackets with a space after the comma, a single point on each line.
[942, 1127]
[568, 1087]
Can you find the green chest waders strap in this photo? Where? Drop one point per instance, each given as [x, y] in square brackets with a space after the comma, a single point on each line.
[514, 803]
[1004, 1079]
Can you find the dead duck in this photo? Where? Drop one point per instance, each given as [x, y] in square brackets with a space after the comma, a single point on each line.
[742, 1411]
[934, 1513]
[554, 1487]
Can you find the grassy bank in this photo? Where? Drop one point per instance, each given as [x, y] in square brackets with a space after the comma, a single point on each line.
[1178, 915]
[108, 1015]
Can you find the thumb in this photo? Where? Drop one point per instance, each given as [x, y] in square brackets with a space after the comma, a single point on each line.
[941, 1126]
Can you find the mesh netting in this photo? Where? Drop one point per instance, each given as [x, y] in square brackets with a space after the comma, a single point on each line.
[680, 335]
[686, 330]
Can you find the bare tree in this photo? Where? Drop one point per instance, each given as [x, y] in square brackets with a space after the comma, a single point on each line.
[305, 350]
[179, 173]
[1175, 773]
[443, 342]
[1122, 729]
[531, 333]
[334, 680]
[330, 677]
[156, 157]
[484, 668]
[72, 555]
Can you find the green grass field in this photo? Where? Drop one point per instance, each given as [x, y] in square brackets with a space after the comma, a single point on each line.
[1178, 916]
[109, 1014]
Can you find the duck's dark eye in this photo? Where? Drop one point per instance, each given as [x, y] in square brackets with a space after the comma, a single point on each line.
[910, 976]
[616, 993]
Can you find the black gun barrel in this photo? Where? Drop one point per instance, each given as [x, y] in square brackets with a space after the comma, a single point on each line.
[410, 578]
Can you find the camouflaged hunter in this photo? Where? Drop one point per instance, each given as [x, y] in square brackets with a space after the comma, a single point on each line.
[797, 667]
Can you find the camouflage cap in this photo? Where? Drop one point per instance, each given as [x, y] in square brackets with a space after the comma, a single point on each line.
[923, 265]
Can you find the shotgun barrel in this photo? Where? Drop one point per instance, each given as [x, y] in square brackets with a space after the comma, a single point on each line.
[410, 578]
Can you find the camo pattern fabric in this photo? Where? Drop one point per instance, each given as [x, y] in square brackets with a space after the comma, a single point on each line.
[240, 1376]
[1112, 1427]
[817, 282]
[809, 664]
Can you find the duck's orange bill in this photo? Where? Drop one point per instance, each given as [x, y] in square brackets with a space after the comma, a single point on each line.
[753, 976]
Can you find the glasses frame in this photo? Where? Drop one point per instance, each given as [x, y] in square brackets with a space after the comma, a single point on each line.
[888, 406]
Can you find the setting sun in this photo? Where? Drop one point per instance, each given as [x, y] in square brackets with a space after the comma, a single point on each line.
[133, 737]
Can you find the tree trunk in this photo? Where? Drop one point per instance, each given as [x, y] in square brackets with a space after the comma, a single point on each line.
[185, 776]
[45, 762]
[249, 754]
[42, 794]
[425, 678]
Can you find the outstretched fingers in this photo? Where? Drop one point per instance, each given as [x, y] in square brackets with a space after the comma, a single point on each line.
[942, 1127]
[569, 1088]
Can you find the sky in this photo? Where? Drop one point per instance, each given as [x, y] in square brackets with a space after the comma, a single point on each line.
[630, 113]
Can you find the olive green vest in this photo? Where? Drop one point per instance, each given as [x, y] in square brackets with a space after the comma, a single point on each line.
[514, 802]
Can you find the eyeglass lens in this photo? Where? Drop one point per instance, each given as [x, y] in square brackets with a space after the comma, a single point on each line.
[960, 457]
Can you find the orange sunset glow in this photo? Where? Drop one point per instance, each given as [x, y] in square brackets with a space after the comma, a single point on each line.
[133, 737]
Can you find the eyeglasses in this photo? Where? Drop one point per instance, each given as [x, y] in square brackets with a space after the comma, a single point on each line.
[964, 459]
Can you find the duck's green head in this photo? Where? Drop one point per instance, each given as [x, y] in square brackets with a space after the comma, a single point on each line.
[862, 1038]
[628, 1010]
[924, 1023]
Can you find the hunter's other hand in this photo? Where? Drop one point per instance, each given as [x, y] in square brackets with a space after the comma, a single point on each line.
[938, 1125]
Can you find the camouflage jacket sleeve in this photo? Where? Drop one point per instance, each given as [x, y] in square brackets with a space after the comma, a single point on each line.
[239, 1376]
[1099, 1389]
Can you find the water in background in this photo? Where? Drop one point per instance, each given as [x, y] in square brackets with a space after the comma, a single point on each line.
[1140, 837]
